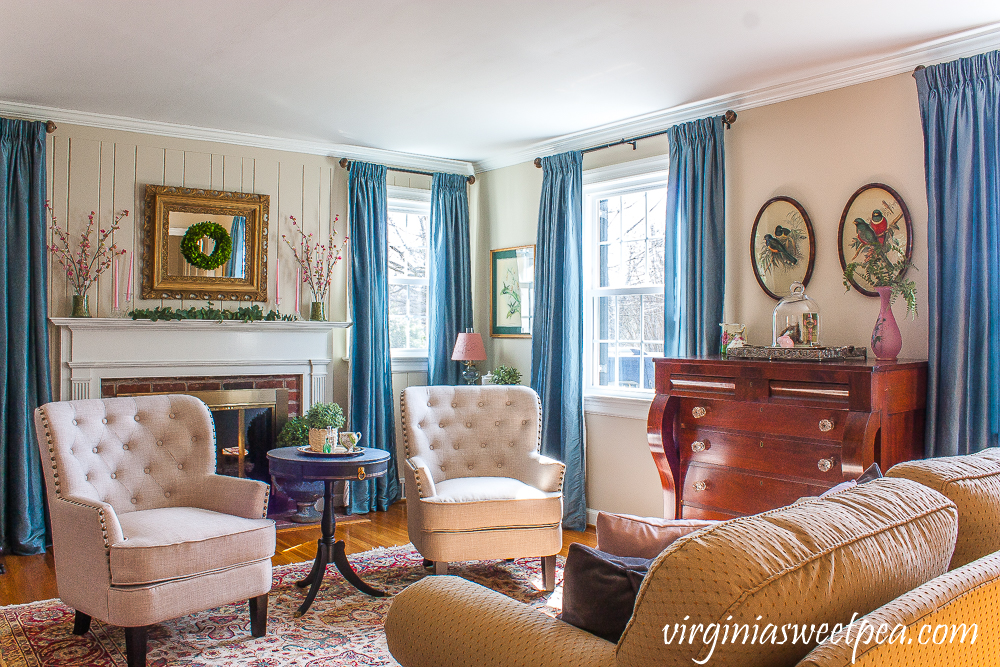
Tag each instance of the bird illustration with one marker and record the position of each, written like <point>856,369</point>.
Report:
<point>782,256</point>
<point>782,231</point>
<point>879,225</point>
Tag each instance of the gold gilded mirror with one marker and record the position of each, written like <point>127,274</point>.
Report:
<point>204,244</point>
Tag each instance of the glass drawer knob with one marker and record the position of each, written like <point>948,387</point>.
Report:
<point>700,485</point>
<point>824,465</point>
<point>698,446</point>
<point>698,412</point>
<point>825,425</point>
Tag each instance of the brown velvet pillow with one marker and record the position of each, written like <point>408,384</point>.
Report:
<point>599,590</point>
<point>641,537</point>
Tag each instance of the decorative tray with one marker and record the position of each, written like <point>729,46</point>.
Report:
<point>845,353</point>
<point>358,451</point>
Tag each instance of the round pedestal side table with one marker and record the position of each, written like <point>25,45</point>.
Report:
<point>289,462</point>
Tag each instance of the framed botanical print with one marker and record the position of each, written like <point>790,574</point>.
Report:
<point>875,220</point>
<point>512,291</point>
<point>782,246</point>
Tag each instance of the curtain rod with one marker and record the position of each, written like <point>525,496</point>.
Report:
<point>346,164</point>
<point>728,118</point>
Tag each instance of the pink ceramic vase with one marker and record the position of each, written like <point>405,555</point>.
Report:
<point>886,339</point>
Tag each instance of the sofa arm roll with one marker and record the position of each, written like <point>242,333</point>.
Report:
<point>450,622</point>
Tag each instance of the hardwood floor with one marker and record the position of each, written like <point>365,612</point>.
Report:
<point>31,578</point>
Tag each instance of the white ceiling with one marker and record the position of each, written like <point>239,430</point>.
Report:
<point>466,80</point>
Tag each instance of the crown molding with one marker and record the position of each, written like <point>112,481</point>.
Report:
<point>178,131</point>
<point>958,45</point>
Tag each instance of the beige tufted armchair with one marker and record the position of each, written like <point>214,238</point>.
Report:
<point>143,529</point>
<point>476,486</point>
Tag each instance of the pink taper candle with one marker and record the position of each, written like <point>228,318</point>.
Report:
<point>277,281</point>
<point>298,287</point>
<point>128,279</point>
<point>117,281</point>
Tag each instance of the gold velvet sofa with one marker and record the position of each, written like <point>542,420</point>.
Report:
<point>879,552</point>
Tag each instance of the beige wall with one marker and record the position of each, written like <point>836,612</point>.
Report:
<point>818,150</point>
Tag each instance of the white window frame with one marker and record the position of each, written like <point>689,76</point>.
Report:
<point>624,178</point>
<point>409,200</point>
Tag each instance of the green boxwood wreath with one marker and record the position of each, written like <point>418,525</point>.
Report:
<point>192,252</point>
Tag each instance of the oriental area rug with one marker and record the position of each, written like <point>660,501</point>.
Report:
<point>342,628</point>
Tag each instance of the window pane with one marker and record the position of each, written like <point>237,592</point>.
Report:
<point>629,317</point>
<point>635,263</point>
<point>629,358</point>
<point>609,219</point>
<point>604,320</point>
<point>656,201</point>
<point>418,316</point>
<point>398,320</point>
<point>655,260</point>
<point>407,239</point>
<point>610,265</point>
<point>605,371</point>
<point>634,216</point>
<point>652,318</point>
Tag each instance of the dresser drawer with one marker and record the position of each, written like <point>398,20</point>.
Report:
<point>741,492</point>
<point>787,420</point>
<point>691,512</point>
<point>763,453</point>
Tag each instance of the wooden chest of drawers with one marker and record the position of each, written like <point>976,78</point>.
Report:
<point>735,437</point>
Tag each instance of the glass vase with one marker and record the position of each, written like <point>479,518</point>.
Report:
<point>317,311</point>
<point>81,306</point>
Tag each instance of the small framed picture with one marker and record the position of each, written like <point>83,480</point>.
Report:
<point>512,291</point>
<point>875,217</point>
<point>782,246</point>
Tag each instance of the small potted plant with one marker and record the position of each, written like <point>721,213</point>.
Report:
<point>506,375</point>
<point>324,420</point>
<point>887,276</point>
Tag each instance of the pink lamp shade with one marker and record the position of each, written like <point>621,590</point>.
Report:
<point>469,347</point>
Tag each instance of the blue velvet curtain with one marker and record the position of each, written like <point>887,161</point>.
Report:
<point>23,335</point>
<point>236,267</point>
<point>959,108</point>
<point>450,290</point>
<point>557,333</point>
<point>696,238</point>
<point>371,406</point>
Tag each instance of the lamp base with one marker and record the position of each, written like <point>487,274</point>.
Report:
<point>470,374</point>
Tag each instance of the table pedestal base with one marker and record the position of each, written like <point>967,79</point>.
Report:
<point>329,550</point>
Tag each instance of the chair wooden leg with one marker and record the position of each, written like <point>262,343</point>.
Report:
<point>81,623</point>
<point>258,615</point>
<point>135,646</point>
<point>549,572</point>
<point>440,567</point>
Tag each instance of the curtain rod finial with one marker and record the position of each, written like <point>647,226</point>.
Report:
<point>917,69</point>
<point>50,127</point>
<point>729,118</point>
<point>538,162</point>
<point>471,179</point>
<point>343,162</point>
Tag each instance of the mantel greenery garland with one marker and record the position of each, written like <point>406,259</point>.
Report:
<point>191,246</point>
<point>242,314</point>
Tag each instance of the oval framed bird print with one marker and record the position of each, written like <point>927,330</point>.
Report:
<point>875,220</point>
<point>782,246</point>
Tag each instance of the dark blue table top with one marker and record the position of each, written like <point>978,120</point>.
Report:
<point>290,461</point>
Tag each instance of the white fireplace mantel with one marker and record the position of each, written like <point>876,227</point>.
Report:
<point>91,349</point>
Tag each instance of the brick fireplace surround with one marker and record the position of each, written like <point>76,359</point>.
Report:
<point>112,387</point>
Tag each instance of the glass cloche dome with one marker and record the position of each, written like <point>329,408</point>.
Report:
<point>796,320</point>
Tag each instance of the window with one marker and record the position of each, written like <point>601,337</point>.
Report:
<point>625,223</point>
<point>408,240</point>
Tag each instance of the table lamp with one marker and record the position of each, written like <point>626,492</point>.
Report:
<point>469,348</point>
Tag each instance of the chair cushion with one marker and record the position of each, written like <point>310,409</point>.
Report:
<point>174,542</point>
<point>814,562</point>
<point>475,503</point>
<point>599,590</point>
<point>973,483</point>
